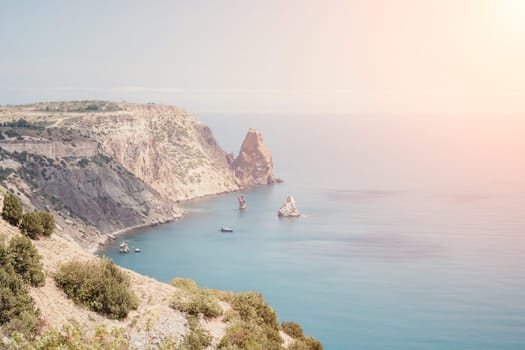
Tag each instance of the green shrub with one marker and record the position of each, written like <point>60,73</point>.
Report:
<point>301,342</point>
<point>252,307</point>
<point>11,133</point>
<point>47,220</point>
<point>99,285</point>
<point>12,210</point>
<point>71,337</point>
<point>27,323</point>
<point>24,259</point>
<point>36,224</point>
<point>250,336</point>
<point>199,303</point>
<point>293,329</point>
<point>194,300</point>
<point>4,258</point>
<point>306,343</point>
<point>17,308</point>
<point>197,338</point>
<point>31,225</point>
<point>256,327</point>
<point>92,107</point>
<point>185,283</point>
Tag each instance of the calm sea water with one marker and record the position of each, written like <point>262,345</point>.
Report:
<point>404,246</point>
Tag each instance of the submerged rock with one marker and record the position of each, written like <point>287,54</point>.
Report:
<point>289,209</point>
<point>242,202</point>
<point>254,165</point>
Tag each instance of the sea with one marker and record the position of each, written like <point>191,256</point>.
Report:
<point>413,234</point>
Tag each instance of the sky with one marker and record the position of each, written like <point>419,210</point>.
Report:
<point>444,57</point>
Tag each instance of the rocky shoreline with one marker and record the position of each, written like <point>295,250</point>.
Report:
<point>99,244</point>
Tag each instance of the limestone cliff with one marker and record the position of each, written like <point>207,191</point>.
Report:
<point>165,147</point>
<point>254,165</point>
<point>104,166</point>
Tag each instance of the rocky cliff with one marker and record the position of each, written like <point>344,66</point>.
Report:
<point>104,166</point>
<point>254,165</point>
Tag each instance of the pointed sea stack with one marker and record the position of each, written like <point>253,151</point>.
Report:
<point>289,209</point>
<point>242,202</point>
<point>254,165</point>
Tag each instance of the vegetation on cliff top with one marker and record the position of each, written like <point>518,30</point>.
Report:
<point>194,300</point>
<point>32,224</point>
<point>12,211</point>
<point>301,342</point>
<point>99,285</point>
<point>70,337</point>
<point>19,263</point>
<point>24,259</point>
<point>252,322</point>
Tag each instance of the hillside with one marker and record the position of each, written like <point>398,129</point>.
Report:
<point>102,166</point>
<point>154,323</point>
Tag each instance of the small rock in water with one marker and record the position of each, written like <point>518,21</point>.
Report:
<point>289,209</point>
<point>242,202</point>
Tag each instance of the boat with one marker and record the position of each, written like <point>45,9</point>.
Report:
<point>137,250</point>
<point>226,229</point>
<point>124,249</point>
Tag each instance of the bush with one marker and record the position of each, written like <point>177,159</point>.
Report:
<point>4,258</point>
<point>47,220</point>
<point>12,211</point>
<point>71,337</point>
<point>306,343</point>
<point>256,326</point>
<point>252,307</point>
<point>197,338</point>
<point>24,259</point>
<point>251,337</point>
<point>194,300</point>
<point>186,284</point>
<point>31,225</point>
<point>293,329</point>
<point>301,342</point>
<point>99,285</point>
<point>17,308</point>
<point>92,107</point>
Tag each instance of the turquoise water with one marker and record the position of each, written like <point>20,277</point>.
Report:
<point>380,262</point>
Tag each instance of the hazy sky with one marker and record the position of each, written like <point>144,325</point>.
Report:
<point>368,56</point>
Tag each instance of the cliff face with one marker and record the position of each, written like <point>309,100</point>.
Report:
<point>254,165</point>
<point>165,147</point>
<point>103,166</point>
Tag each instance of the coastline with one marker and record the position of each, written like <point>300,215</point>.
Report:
<point>97,245</point>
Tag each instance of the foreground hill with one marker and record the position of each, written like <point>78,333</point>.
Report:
<point>103,166</point>
<point>163,318</point>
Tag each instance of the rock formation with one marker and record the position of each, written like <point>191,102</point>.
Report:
<point>254,165</point>
<point>242,202</point>
<point>288,209</point>
<point>101,166</point>
<point>104,166</point>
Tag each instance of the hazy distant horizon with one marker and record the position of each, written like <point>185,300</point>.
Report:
<point>404,57</point>
<point>425,91</point>
<point>518,116</point>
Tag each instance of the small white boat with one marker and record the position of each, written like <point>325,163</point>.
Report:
<point>137,250</point>
<point>226,229</point>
